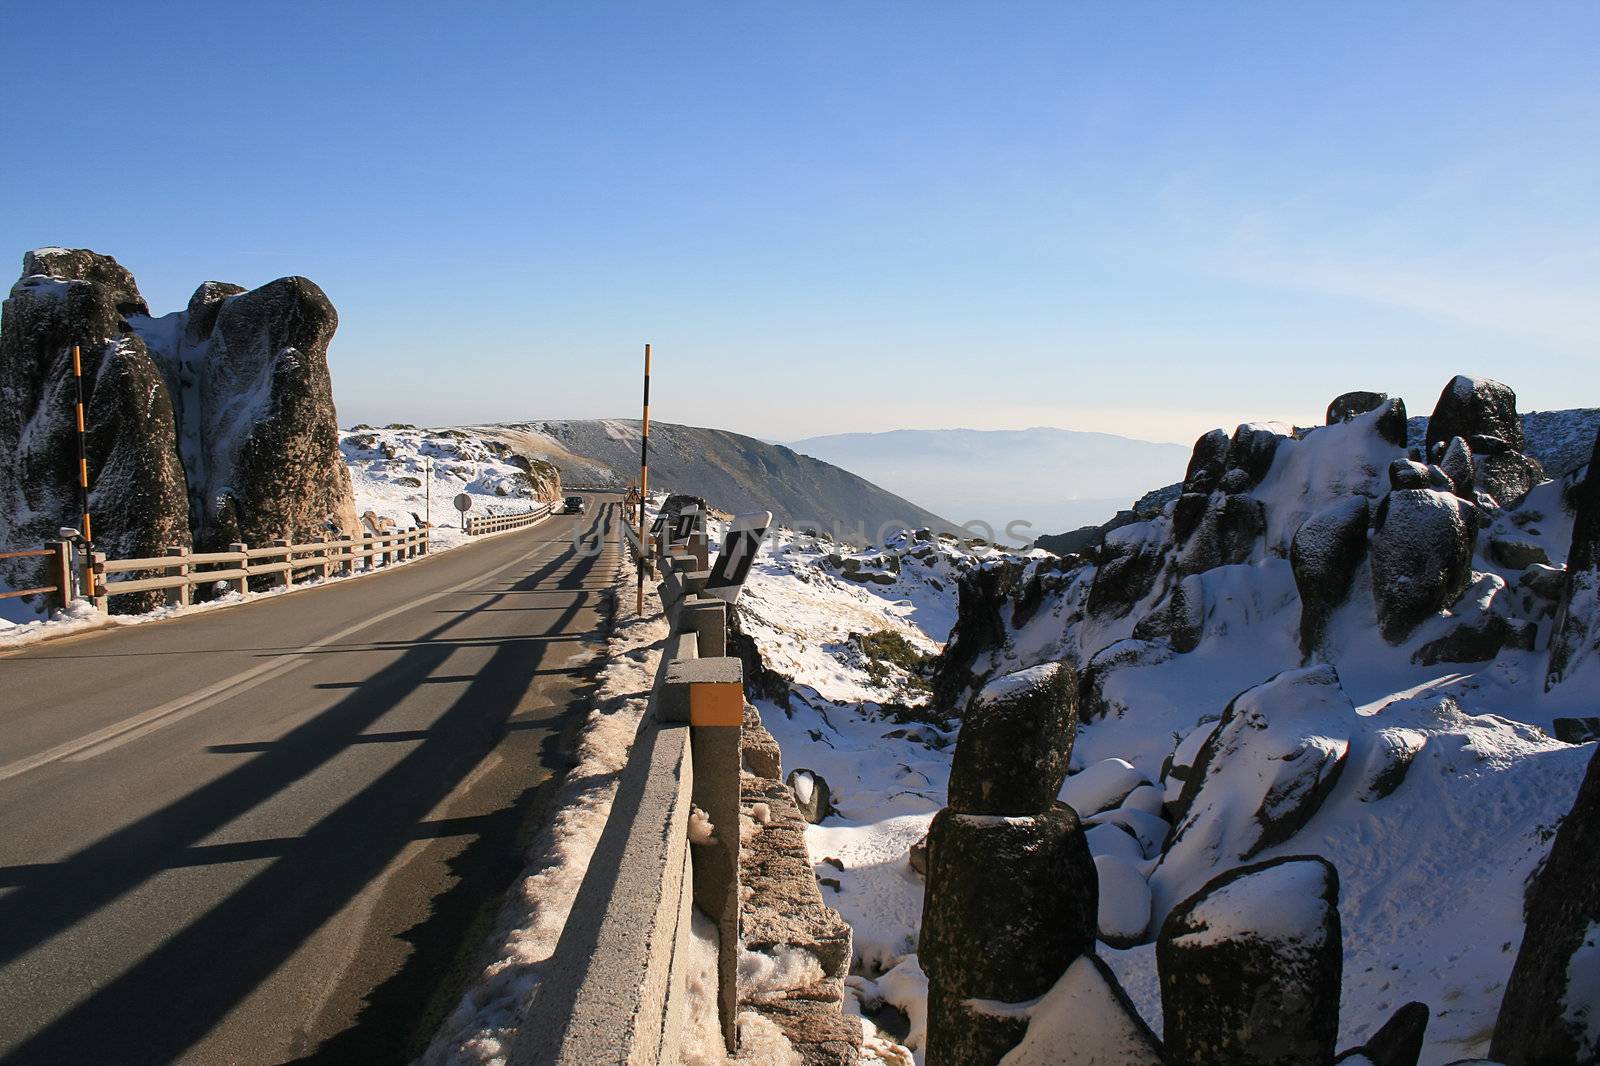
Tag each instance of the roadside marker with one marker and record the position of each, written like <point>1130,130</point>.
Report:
<point>644,479</point>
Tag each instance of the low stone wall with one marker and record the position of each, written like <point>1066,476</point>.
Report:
<point>782,911</point>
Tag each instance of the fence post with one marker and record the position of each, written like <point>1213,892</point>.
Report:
<point>323,552</point>
<point>61,571</point>
<point>179,596</point>
<point>241,584</point>
<point>96,573</point>
<point>426,534</point>
<point>286,578</point>
<point>366,548</point>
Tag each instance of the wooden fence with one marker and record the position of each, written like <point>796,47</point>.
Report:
<point>60,572</point>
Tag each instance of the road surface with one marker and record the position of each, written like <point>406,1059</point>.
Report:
<point>278,832</point>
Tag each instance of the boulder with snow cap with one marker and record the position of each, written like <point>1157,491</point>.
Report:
<point>1250,967</point>
<point>1130,561</point>
<point>1207,463</point>
<point>1179,619</point>
<point>1398,1042</point>
<point>1016,742</point>
<point>1551,1010</point>
<point>1100,786</point>
<point>1252,449</point>
<point>811,794</point>
<point>1124,912</point>
<point>1477,641</point>
<point>1149,830</point>
<point>1410,474</point>
<point>1010,903</point>
<point>1508,476</point>
<point>1347,406</point>
<point>1324,555</point>
<point>1421,557</point>
<point>1266,770</point>
<point>1225,535</point>
<point>1094,701</point>
<point>1086,1018</point>
<point>1475,406</point>
<point>1456,462</point>
<point>1576,637</point>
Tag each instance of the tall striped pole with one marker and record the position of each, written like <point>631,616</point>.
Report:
<point>83,476</point>
<point>644,478</point>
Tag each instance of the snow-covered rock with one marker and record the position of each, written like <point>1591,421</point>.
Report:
<point>1250,967</point>
<point>1101,786</point>
<point>1124,913</point>
<point>1421,557</point>
<point>1016,743</point>
<point>1266,770</point>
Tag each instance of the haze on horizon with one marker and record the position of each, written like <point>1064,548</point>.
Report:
<point>834,218</point>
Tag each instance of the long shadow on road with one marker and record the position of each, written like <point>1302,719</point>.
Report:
<point>165,1003</point>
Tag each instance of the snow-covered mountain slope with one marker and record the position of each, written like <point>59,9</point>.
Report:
<point>1053,479</point>
<point>1253,653</point>
<point>387,470</point>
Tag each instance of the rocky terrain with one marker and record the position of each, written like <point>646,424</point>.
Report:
<point>205,426</point>
<point>1320,718</point>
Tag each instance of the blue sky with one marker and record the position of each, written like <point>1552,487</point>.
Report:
<point>1139,218</point>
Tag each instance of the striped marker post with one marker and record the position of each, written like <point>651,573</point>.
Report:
<point>83,475</point>
<point>644,480</point>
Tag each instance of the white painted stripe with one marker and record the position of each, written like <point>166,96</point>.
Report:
<point>135,726</point>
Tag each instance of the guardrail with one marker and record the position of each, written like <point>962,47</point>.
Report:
<point>614,991</point>
<point>477,525</point>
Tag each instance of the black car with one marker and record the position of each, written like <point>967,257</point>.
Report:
<point>574,505</point>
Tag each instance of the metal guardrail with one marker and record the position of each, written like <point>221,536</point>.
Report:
<point>614,991</point>
<point>477,525</point>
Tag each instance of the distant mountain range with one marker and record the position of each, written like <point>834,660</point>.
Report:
<point>731,471</point>
<point>1054,479</point>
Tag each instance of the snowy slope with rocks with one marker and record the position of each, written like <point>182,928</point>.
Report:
<point>1326,645</point>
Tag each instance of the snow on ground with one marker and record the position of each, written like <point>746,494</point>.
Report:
<point>484,1023</point>
<point>387,473</point>
<point>1432,875</point>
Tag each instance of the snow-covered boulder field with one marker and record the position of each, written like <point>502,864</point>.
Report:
<point>1336,644</point>
<point>388,467</point>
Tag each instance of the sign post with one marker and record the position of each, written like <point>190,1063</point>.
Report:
<point>644,479</point>
<point>463,504</point>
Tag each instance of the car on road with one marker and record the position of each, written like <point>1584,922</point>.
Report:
<point>574,505</point>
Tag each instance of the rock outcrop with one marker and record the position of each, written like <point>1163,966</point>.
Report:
<point>210,425</point>
<point>1011,897</point>
<point>1325,554</point>
<point>1422,544</point>
<point>1250,967</point>
<point>1551,1010</point>
<point>137,487</point>
<point>1576,638</point>
<point>1470,407</point>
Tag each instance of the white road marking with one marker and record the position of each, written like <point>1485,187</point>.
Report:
<point>138,725</point>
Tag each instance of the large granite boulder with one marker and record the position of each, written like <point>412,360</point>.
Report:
<point>137,496</point>
<point>1010,903</point>
<point>1086,1018</point>
<point>1421,556</point>
<point>1259,777</point>
<point>1250,967</point>
<point>1347,406</point>
<point>1015,743</point>
<point>258,431</point>
<point>1207,463</point>
<point>1551,1010</point>
<point>1577,633</point>
<point>1471,407</point>
<point>1324,555</point>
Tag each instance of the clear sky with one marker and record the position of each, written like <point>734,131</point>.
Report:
<point>1144,218</point>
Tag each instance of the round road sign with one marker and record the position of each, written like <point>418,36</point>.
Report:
<point>463,502</point>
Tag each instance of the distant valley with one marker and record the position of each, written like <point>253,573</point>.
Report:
<point>1055,479</point>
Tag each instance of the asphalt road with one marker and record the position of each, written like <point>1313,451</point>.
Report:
<point>278,832</point>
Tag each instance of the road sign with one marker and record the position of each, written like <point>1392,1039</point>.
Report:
<point>463,502</point>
